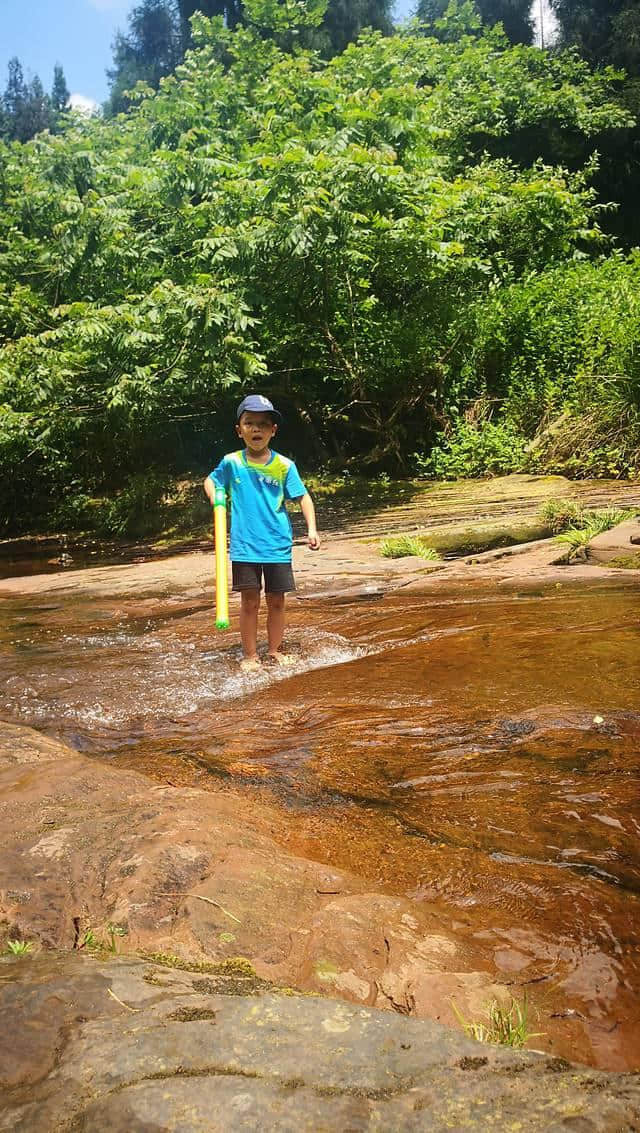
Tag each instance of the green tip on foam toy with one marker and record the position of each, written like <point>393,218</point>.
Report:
<point>220,535</point>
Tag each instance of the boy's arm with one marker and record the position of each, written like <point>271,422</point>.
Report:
<point>309,513</point>
<point>209,490</point>
<point>216,479</point>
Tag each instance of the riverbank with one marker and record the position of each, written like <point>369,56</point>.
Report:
<point>469,516</point>
<point>491,530</point>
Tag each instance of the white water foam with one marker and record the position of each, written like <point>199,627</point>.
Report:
<point>332,649</point>
<point>108,680</point>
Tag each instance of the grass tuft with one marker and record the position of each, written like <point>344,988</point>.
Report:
<point>400,546</point>
<point>575,526</point>
<point>506,1025</point>
<point>19,947</point>
<point>593,523</point>
<point>560,515</point>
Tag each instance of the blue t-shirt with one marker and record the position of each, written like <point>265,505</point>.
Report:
<point>260,527</point>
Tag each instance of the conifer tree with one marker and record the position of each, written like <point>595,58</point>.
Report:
<point>26,109</point>
<point>345,19</point>
<point>342,23</point>
<point>150,49</point>
<point>14,97</point>
<point>37,113</point>
<point>59,90</point>
<point>514,15</point>
<point>605,31</point>
<point>231,10</point>
<point>608,32</point>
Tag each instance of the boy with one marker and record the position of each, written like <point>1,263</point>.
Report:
<point>259,480</point>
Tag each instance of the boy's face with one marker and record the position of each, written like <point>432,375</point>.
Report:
<point>256,430</point>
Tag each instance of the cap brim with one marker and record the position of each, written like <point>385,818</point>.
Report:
<point>272,413</point>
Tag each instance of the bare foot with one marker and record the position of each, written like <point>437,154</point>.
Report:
<point>280,658</point>
<point>250,665</point>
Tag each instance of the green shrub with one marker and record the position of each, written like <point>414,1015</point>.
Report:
<point>476,449</point>
<point>137,510</point>
<point>560,515</point>
<point>559,350</point>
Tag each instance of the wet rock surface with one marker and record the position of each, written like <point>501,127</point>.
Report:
<point>125,1045</point>
<point>93,850</point>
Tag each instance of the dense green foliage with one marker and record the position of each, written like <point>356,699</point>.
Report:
<point>552,355</point>
<point>329,232</point>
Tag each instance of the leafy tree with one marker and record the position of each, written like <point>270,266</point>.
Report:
<point>150,49</point>
<point>334,225</point>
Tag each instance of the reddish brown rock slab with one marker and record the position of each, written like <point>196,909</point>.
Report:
<point>24,745</point>
<point>404,967</point>
<point>621,542</point>
<point>94,854</point>
<point>124,1046</point>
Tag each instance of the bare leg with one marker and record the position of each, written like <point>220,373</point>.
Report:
<point>249,606</point>
<point>275,627</point>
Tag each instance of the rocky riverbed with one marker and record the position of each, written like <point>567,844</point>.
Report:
<point>380,824</point>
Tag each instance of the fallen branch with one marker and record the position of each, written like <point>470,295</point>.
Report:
<point>125,1005</point>
<point>199,897</point>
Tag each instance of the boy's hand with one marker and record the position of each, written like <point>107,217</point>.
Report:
<point>309,513</point>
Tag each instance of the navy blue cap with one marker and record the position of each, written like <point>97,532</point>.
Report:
<point>256,403</point>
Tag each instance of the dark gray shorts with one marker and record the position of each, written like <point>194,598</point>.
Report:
<point>278,577</point>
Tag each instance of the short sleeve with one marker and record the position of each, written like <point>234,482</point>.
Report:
<point>220,475</point>
<point>293,486</point>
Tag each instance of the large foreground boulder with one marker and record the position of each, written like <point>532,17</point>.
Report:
<point>131,1047</point>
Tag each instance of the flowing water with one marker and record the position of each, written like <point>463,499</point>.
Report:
<point>472,747</point>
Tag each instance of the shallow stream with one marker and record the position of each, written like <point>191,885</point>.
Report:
<point>473,747</point>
